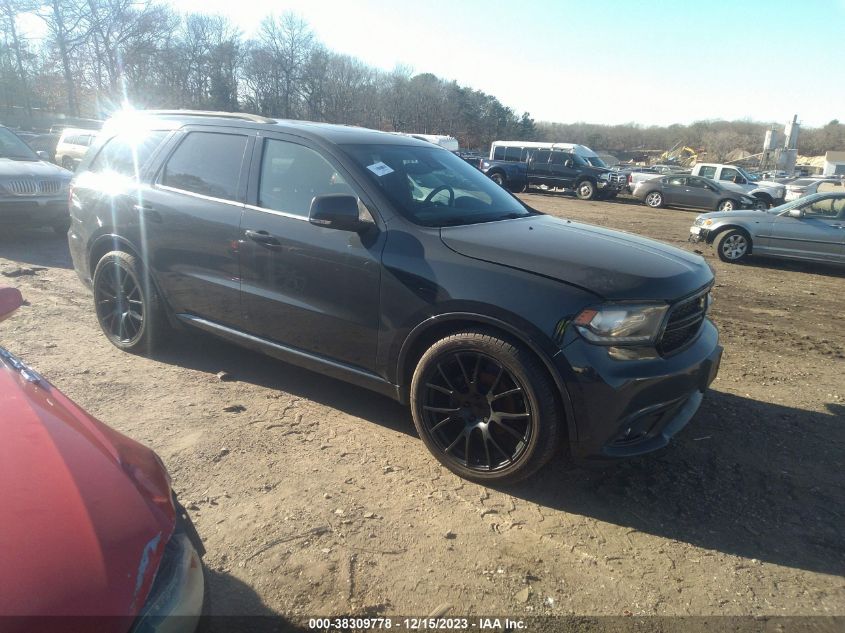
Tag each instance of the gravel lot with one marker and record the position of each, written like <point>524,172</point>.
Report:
<point>316,497</point>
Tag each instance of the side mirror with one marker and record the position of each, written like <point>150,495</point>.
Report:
<point>796,213</point>
<point>10,300</point>
<point>335,211</point>
<point>43,155</point>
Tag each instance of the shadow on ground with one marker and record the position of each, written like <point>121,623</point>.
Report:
<point>234,607</point>
<point>747,478</point>
<point>205,353</point>
<point>35,247</point>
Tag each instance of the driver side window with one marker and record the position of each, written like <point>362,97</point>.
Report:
<point>291,175</point>
<point>824,208</point>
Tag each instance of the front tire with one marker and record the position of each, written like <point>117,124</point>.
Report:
<point>733,246</point>
<point>727,205</point>
<point>485,408</point>
<point>585,190</point>
<point>127,304</point>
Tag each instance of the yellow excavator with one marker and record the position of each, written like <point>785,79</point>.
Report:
<point>680,154</point>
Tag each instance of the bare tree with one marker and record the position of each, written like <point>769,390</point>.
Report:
<point>9,11</point>
<point>66,22</point>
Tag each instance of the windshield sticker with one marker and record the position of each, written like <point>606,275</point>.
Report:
<point>380,169</point>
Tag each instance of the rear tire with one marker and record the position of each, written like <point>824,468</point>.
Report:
<point>585,190</point>
<point>654,199</point>
<point>733,246</point>
<point>127,303</point>
<point>485,407</point>
<point>498,178</point>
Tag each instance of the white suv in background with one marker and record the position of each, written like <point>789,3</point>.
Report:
<point>72,145</point>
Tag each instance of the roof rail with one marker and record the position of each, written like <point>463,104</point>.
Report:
<point>243,116</point>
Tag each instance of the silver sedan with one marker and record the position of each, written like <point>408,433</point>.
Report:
<point>810,228</point>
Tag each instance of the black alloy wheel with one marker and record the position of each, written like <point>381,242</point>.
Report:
<point>128,309</point>
<point>484,408</point>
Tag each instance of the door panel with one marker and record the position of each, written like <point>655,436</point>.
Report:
<point>304,286</point>
<point>538,168</point>
<point>811,237</point>
<point>559,174</point>
<point>191,218</point>
<point>673,190</point>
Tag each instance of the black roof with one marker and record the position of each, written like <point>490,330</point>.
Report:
<point>334,133</point>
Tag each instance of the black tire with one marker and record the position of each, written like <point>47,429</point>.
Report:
<point>126,301</point>
<point>728,205</point>
<point>499,178</point>
<point>733,246</point>
<point>459,377</point>
<point>761,205</point>
<point>654,199</point>
<point>585,190</point>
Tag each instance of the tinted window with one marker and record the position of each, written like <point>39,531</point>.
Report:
<point>708,171</point>
<point>513,153</point>
<point>434,187</point>
<point>127,153</point>
<point>208,163</point>
<point>291,175</point>
<point>499,153</point>
<point>676,181</point>
<point>698,183</point>
<point>542,156</point>
<point>559,158</point>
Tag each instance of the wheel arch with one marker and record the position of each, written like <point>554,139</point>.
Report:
<point>435,328</point>
<point>713,235</point>
<point>762,195</point>
<point>113,242</point>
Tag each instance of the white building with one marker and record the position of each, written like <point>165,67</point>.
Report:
<point>834,164</point>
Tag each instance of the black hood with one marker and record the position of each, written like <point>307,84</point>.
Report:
<point>611,264</point>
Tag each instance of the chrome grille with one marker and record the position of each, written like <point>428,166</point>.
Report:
<point>685,319</point>
<point>32,187</point>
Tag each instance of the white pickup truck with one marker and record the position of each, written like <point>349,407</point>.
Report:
<point>736,178</point>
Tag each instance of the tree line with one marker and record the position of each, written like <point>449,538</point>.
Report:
<point>99,54</point>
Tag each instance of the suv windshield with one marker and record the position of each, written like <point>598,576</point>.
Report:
<point>433,187</point>
<point>595,161</point>
<point>11,146</point>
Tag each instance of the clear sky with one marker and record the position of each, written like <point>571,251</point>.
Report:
<point>601,61</point>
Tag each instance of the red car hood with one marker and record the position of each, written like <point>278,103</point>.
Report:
<point>86,512</point>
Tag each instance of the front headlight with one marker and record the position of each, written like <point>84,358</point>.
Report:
<point>604,176</point>
<point>621,324</point>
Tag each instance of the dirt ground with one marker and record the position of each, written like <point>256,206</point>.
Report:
<point>317,498</point>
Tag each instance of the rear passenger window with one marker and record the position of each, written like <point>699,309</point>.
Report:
<point>127,153</point>
<point>208,163</point>
<point>707,172</point>
<point>513,154</point>
<point>291,175</point>
<point>499,153</point>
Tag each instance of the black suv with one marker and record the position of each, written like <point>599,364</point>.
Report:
<point>393,264</point>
